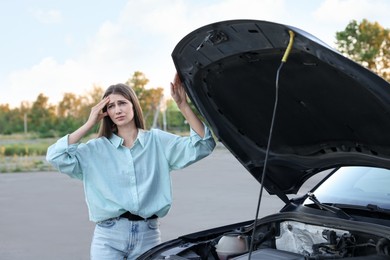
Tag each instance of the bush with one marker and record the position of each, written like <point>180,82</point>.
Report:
<point>24,149</point>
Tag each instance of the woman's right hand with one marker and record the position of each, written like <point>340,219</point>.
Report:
<point>97,113</point>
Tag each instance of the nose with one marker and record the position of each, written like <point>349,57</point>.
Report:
<point>117,110</point>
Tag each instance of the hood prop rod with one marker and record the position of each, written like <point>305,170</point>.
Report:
<point>284,60</point>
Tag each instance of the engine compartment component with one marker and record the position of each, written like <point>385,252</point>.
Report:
<point>271,254</point>
<point>231,244</point>
<point>305,239</point>
<point>286,239</point>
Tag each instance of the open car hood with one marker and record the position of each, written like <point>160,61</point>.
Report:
<point>331,111</point>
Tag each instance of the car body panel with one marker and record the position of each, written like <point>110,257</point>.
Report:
<point>295,235</point>
<point>331,114</point>
<point>331,111</point>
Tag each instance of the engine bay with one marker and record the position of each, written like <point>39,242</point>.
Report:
<point>284,240</point>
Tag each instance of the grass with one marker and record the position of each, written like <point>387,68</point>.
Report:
<point>24,153</point>
<point>11,164</point>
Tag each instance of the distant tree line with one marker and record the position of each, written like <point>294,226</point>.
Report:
<point>72,111</point>
<point>367,43</point>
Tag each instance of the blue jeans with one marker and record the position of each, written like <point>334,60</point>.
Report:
<point>119,238</point>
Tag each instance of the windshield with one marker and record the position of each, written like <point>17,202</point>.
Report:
<point>356,186</point>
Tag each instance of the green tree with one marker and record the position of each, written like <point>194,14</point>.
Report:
<point>69,106</point>
<point>12,120</point>
<point>73,110</point>
<point>368,44</point>
<point>175,119</point>
<point>94,95</point>
<point>149,99</point>
<point>68,113</point>
<point>42,116</point>
<point>5,115</point>
<point>138,82</point>
<point>16,120</point>
<point>24,110</point>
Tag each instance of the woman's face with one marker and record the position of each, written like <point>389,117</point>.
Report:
<point>120,110</point>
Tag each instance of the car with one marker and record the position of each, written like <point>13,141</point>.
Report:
<point>289,107</point>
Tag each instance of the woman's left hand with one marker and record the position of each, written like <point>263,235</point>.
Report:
<point>179,95</point>
<point>177,91</point>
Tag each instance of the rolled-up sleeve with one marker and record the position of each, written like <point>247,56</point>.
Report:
<point>183,151</point>
<point>207,143</point>
<point>63,157</point>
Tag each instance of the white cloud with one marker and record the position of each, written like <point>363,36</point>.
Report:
<point>48,77</point>
<point>343,11</point>
<point>333,16</point>
<point>47,16</point>
<point>144,35</point>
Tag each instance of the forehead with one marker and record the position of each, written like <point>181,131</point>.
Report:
<point>116,97</point>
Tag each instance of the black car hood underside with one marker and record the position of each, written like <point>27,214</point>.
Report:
<point>331,111</point>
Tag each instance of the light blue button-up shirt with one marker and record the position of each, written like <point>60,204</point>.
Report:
<point>118,179</point>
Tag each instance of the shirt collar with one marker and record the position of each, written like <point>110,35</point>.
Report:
<point>141,137</point>
<point>118,141</point>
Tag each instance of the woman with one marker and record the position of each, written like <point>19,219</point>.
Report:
<point>125,170</point>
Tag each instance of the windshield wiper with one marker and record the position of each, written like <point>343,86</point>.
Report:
<point>368,208</point>
<point>376,208</point>
<point>329,208</point>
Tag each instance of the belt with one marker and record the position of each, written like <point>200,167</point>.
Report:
<point>130,216</point>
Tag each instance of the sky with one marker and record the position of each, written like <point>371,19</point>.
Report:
<point>55,47</point>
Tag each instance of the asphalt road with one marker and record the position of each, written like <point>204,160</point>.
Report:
<point>43,215</point>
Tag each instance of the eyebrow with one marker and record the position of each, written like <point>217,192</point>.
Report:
<point>119,100</point>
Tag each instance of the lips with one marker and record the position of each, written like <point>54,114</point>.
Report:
<point>120,118</point>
